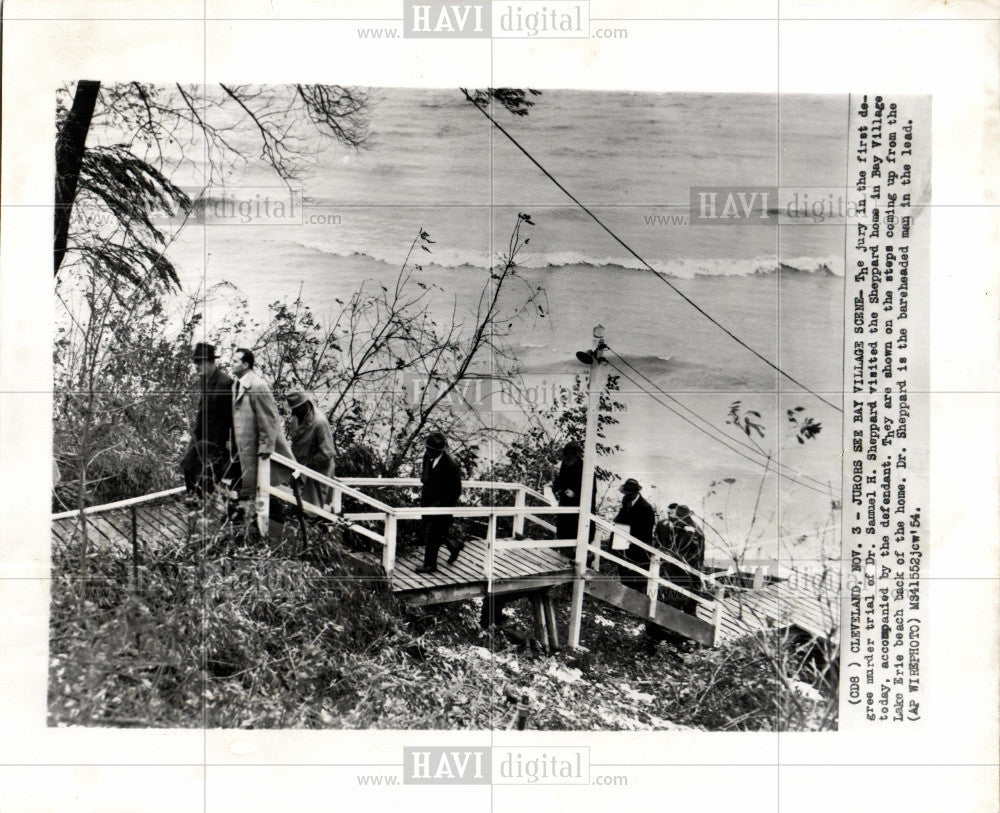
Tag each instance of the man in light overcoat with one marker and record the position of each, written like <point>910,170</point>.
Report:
<point>256,424</point>
<point>312,443</point>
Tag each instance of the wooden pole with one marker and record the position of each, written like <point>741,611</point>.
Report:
<point>389,551</point>
<point>301,512</point>
<point>595,383</point>
<point>491,538</point>
<point>720,594</point>
<point>550,616</point>
<point>519,519</point>
<point>541,632</point>
<point>652,586</point>
<point>263,500</point>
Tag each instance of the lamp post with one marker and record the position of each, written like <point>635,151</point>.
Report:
<point>594,359</point>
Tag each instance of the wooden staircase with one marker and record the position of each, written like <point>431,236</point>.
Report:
<point>608,589</point>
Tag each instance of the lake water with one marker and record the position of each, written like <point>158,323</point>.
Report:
<point>437,164</point>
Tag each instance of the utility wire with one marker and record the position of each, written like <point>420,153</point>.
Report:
<point>635,254</point>
<point>724,441</point>
<point>750,447</point>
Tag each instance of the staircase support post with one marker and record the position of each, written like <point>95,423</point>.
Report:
<point>541,630</point>
<point>262,503</point>
<point>652,587</point>
<point>491,539</point>
<point>389,551</point>
<point>550,617</point>
<point>519,518</point>
<point>720,594</point>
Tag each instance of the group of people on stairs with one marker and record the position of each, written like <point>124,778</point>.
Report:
<point>238,424</point>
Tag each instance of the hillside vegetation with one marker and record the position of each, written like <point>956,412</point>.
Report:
<point>225,632</point>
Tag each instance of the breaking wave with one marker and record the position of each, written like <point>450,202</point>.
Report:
<point>554,262</point>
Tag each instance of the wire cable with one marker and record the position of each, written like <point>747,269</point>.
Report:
<point>750,447</point>
<point>778,468</point>
<point>635,254</point>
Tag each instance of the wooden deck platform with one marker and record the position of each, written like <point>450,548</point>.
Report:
<point>165,521</point>
<point>812,607</point>
<point>162,522</point>
<point>169,522</point>
<point>513,571</point>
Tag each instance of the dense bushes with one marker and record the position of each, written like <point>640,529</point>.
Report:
<point>220,632</point>
<point>225,632</point>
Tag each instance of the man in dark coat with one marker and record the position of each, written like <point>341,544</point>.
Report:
<point>442,486</point>
<point>567,486</point>
<point>640,518</point>
<point>679,536</point>
<point>208,457</point>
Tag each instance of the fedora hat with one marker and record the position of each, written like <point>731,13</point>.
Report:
<point>630,486</point>
<point>571,450</point>
<point>436,442</point>
<point>203,352</point>
<point>297,399</point>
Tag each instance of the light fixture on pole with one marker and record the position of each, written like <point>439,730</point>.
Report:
<point>589,356</point>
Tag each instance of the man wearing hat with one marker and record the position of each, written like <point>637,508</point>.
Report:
<point>567,486</point>
<point>312,444</point>
<point>665,529</point>
<point>640,518</point>
<point>684,540</point>
<point>442,486</point>
<point>208,456</point>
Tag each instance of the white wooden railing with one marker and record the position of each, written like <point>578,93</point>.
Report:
<point>111,506</point>
<point>389,516</point>
<point>654,581</point>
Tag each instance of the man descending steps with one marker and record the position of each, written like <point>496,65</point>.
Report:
<point>442,486</point>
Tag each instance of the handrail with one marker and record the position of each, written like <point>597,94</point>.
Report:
<point>607,525</point>
<point>281,494</point>
<point>332,483</point>
<point>415,482</point>
<point>110,506</point>
<point>660,581</point>
<point>537,495</point>
<point>417,511</point>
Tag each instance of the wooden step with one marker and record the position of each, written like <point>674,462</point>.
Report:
<point>615,593</point>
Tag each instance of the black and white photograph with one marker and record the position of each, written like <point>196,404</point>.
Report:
<point>297,324</point>
<point>499,405</point>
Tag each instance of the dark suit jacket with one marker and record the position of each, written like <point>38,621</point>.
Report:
<point>640,518</point>
<point>214,420</point>
<point>570,477</point>
<point>683,540</point>
<point>442,484</point>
